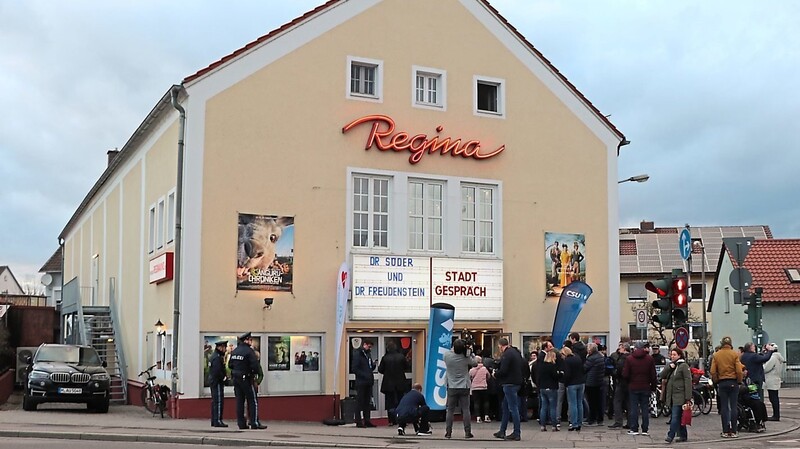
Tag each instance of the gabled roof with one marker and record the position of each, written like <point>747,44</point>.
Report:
<point>13,278</point>
<point>333,3</point>
<point>768,261</point>
<point>644,251</point>
<point>53,264</point>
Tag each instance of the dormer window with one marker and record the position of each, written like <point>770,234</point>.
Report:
<point>794,274</point>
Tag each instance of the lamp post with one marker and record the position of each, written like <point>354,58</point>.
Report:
<point>637,178</point>
<point>704,339</point>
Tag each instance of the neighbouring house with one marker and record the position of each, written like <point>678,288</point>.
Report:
<point>775,267</point>
<point>51,279</point>
<point>427,146</point>
<point>651,252</point>
<point>8,283</point>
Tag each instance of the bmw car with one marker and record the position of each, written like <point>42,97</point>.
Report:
<point>67,373</point>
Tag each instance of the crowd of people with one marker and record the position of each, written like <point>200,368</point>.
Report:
<point>582,384</point>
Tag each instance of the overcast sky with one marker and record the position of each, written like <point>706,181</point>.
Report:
<point>706,91</point>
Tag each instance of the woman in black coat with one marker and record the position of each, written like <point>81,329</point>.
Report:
<point>574,380</point>
<point>394,385</point>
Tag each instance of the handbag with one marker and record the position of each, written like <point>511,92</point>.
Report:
<point>686,415</point>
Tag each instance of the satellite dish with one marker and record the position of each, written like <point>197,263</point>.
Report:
<point>47,279</point>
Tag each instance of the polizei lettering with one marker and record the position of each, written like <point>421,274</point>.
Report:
<point>386,139</point>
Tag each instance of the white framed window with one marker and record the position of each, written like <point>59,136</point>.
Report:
<point>151,243</point>
<point>489,96</point>
<point>477,219</point>
<point>171,216</point>
<point>364,79</point>
<point>425,215</point>
<point>429,88</point>
<point>370,211</point>
<point>636,292</point>
<point>160,223</point>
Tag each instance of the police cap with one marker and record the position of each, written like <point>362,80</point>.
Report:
<point>221,343</point>
<point>245,336</point>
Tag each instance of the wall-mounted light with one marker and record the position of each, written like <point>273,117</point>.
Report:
<point>161,329</point>
<point>268,302</point>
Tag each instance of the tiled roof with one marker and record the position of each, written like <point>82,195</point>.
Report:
<point>53,264</point>
<point>656,252</point>
<point>768,261</point>
<point>332,3</point>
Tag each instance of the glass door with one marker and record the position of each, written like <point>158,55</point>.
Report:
<point>403,342</point>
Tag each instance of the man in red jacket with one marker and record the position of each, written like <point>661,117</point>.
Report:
<point>640,373</point>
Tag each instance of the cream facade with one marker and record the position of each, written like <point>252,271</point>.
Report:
<point>266,134</point>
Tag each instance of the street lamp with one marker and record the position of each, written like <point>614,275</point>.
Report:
<point>161,329</point>
<point>703,341</point>
<point>637,178</point>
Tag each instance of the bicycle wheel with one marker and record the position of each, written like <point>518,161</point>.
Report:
<point>706,403</point>
<point>149,400</point>
<point>698,403</point>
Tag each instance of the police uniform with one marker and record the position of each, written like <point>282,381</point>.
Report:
<point>244,368</point>
<point>216,380</point>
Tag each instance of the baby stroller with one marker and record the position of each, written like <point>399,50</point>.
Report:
<point>751,410</point>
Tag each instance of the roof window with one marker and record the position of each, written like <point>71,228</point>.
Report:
<point>794,274</point>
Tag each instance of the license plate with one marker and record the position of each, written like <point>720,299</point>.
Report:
<point>70,390</point>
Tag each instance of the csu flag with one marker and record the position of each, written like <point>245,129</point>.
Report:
<point>440,340</point>
<point>573,298</point>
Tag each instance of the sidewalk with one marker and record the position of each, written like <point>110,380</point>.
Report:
<point>130,423</point>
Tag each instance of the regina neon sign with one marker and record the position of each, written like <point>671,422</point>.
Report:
<point>382,136</point>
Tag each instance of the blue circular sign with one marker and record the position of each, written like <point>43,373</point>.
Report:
<point>681,337</point>
<point>685,245</point>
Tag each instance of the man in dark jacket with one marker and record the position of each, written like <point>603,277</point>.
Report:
<point>640,373</point>
<point>509,377</point>
<point>244,369</point>
<point>393,367</point>
<point>594,367</point>
<point>754,364</point>
<point>362,365</point>
<point>413,409</point>
<point>578,346</point>
<point>216,380</point>
<point>620,385</point>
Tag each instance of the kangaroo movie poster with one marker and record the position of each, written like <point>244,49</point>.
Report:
<point>265,253</point>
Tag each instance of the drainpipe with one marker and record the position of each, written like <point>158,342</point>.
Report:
<point>60,339</point>
<point>176,316</point>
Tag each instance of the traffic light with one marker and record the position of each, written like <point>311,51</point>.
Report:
<point>753,310</point>
<point>663,305</point>
<point>680,301</point>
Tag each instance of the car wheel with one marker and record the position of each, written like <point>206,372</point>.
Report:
<point>28,404</point>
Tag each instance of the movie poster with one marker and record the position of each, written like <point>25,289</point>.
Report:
<point>278,359</point>
<point>265,253</point>
<point>208,351</point>
<point>564,261</point>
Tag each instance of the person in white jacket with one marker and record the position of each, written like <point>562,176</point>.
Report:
<point>773,369</point>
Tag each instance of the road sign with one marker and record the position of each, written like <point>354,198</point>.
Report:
<point>740,279</point>
<point>681,337</point>
<point>739,247</point>
<point>641,319</point>
<point>685,244</point>
<point>760,338</point>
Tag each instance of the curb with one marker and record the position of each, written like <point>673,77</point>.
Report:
<point>177,439</point>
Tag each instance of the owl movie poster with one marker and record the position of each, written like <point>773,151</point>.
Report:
<point>265,253</point>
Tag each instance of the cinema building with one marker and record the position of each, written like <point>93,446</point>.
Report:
<point>435,160</point>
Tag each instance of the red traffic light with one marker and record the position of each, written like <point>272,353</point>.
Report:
<point>659,287</point>
<point>679,292</point>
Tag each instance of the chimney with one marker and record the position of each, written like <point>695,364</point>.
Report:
<point>112,154</point>
<point>647,226</point>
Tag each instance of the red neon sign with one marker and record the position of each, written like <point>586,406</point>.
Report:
<point>386,139</point>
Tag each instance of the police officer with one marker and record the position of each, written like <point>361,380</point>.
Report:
<point>216,380</point>
<point>244,368</point>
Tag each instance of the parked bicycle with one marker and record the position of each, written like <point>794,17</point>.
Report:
<point>154,396</point>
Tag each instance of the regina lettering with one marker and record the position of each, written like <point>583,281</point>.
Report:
<point>383,137</point>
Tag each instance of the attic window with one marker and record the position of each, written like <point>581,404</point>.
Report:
<point>794,274</point>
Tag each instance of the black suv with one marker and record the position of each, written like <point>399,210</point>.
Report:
<point>67,373</point>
